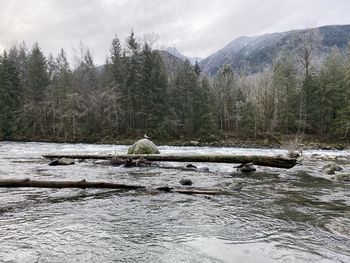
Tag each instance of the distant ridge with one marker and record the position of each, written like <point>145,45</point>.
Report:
<point>171,62</point>
<point>256,53</point>
<point>173,51</point>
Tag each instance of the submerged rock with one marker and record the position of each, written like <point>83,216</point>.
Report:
<point>232,186</point>
<point>236,187</point>
<point>342,177</point>
<point>62,161</point>
<point>143,146</point>
<point>331,168</point>
<point>203,169</point>
<point>192,167</point>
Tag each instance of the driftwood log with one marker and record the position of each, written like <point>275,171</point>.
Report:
<point>16,183</point>
<point>64,184</point>
<point>272,161</point>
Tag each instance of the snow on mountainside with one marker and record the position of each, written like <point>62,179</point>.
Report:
<point>254,54</point>
<point>176,53</point>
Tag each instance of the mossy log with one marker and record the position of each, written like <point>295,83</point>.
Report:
<point>271,161</point>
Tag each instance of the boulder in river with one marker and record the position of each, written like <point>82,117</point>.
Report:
<point>143,146</point>
<point>186,181</point>
<point>246,168</point>
<point>331,168</point>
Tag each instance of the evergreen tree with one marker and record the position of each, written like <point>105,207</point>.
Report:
<point>59,95</point>
<point>114,63</point>
<point>33,115</point>
<point>182,95</point>
<point>131,93</point>
<point>205,123</point>
<point>18,54</point>
<point>36,78</point>
<point>153,87</point>
<point>9,96</point>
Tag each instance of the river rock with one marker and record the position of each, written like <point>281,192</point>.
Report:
<point>331,168</point>
<point>236,187</point>
<point>315,155</point>
<point>194,143</point>
<point>294,154</point>
<point>231,186</point>
<point>246,168</point>
<point>203,169</point>
<point>143,146</point>
<point>62,161</point>
<point>186,181</point>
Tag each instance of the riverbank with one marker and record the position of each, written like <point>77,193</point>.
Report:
<point>266,141</point>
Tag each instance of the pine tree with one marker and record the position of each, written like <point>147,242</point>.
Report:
<point>114,63</point>
<point>37,78</point>
<point>183,96</point>
<point>19,54</point>
<point>60,91</point>
<point>131,92</point>
<point>9,96</point>
<point>153,90</point>
<point>205,123</point>
<point>33,116</point>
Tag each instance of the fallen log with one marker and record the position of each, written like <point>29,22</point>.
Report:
<point>16,183</point>
<point>271,161</point>
<point>64,184</point>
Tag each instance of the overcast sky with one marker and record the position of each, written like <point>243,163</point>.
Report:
<point>196,28</point>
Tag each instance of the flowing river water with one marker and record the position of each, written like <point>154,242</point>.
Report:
<point>295,215</point>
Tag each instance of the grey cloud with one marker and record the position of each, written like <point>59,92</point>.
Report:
<point>197,28</point>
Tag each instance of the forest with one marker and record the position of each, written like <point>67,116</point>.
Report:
<point>46,98</point>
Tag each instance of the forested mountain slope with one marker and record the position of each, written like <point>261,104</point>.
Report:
<point>256,53</point>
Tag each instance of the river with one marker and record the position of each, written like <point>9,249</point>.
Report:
<point>295,215</point>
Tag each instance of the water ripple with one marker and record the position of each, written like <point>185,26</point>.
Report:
<point>279,216</point>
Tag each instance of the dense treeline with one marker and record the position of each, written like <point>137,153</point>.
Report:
<point>134,93</point>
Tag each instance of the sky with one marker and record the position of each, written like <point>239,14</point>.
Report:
<point>195,27</point>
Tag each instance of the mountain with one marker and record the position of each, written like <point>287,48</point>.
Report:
<point>173,51</point>
<point>171,62</point>
<point>254,54</point>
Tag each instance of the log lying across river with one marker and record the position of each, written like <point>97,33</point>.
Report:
<point>272,161</point>
<point>64,184</point>
<point>16,183</point>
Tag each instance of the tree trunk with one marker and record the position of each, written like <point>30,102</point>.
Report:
<point>272,161</point>
<point>64,184</point>
<point>15,183</point>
